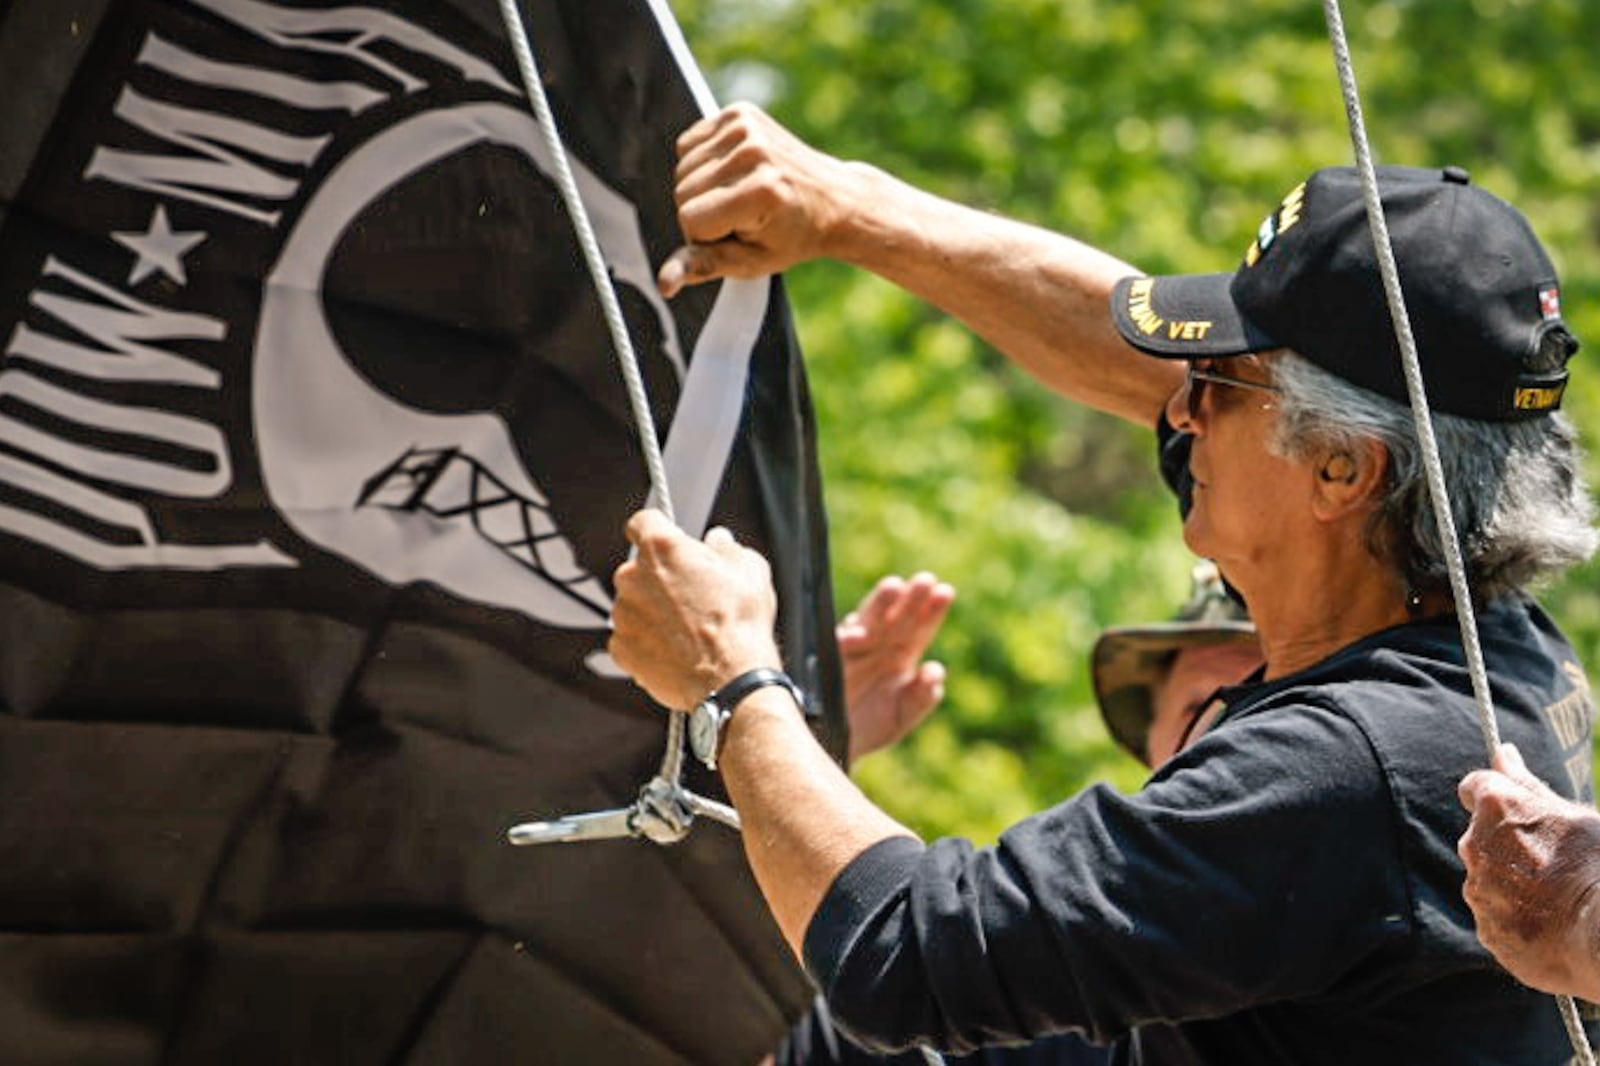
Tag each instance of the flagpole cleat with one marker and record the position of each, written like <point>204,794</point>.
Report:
<point>663,814</point>
<point>601,825</point>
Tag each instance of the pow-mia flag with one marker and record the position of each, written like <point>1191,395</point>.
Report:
<point>314,464</point>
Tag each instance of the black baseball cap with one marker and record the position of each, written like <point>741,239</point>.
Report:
<point>1481,293</point>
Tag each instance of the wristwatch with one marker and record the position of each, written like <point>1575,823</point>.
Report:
<point>710,716</point>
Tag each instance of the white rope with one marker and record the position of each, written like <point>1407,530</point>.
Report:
<point>664,809</point>
<point>610,306</point>
<point>1421,417</point>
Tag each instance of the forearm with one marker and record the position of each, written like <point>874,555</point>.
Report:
<point>1583,952</point>
<point>803,819</point>
<point>1040,297</point>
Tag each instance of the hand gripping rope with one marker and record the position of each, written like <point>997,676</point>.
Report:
<point>664,809</point>
<point>1423,421</point>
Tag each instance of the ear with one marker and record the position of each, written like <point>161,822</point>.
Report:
<point>1349,480</point>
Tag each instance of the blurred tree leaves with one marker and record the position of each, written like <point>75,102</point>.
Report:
<point>1164,132</point>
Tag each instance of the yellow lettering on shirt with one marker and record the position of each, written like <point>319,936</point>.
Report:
<point>1571,718</point>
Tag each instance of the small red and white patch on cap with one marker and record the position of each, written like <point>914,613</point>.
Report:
<point>1550,303</point>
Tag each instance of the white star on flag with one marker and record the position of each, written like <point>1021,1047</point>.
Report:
<point>159,248</point>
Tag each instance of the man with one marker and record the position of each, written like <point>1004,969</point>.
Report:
<point>1533,876</point>
<point>1154,683</point>
<point>1287,888</point>
<point>1151,684</point>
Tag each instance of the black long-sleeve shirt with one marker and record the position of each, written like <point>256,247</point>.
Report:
<point>1285,891</point>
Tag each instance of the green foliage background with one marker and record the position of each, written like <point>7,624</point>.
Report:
<point>1163,131</point>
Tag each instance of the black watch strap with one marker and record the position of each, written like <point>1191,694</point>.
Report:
<point>730,695</point>
<point>708,721</point>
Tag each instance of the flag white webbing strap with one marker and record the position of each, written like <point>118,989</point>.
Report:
<point>662,814</point>
<point>1415,389</point>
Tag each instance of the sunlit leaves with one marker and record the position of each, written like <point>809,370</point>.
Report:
<point>1164,131</point>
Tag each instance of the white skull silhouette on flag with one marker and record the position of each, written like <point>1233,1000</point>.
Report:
<point>414,493</point>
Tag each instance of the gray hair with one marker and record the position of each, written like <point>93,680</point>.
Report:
<point>1520,505</point>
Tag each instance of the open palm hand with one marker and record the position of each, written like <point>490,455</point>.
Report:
<point>889,687</point>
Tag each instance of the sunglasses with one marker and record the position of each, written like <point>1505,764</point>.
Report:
<point>1198,378</point>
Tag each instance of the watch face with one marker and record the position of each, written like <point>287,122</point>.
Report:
<point>703,733</point>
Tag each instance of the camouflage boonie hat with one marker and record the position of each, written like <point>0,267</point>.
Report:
<point>1129,661</point>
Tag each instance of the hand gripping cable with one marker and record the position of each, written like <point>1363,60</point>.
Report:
<point>1423,421</point>
<point>664,810</point>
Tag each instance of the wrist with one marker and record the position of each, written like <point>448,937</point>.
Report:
<point>761,713</point>
<point>859,233</point>
<point>717,676</point>
<point>711,719</point>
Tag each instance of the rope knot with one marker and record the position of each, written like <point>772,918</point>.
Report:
<point>663,813</point>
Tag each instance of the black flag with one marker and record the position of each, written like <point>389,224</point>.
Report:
<point>314,463</point>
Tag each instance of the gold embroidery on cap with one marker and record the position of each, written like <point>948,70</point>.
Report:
<point>1148,322</point>
<point>1189,331</point>
<point>1139,306</point>
<point>1277,224</point>
<point>1538,399</point>
<point>1293,206</point>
